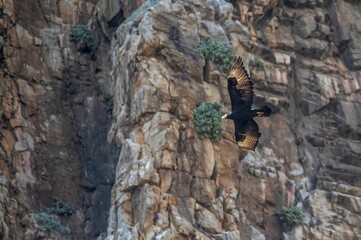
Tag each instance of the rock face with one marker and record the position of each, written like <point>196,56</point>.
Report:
<point>110,132</point>
<point>54,122</point>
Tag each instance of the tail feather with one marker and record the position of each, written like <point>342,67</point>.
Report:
<point>264,112</point>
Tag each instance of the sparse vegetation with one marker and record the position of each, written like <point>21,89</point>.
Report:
<point>257,63</point>
<point>208,121</point>
<point>296,116</point>
<point>51,222</point>
<point>60,208</point>
<point>181,75</point>
<point>175,36</point>
<point>216,51</point>
<point>108,99</point>
<point>291,216</point>
<point>82,36</point>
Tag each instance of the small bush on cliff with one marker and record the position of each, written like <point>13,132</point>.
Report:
<point>208,121</point>
<point>60,208</point>
<point>82,36</point>
<point>216,51</point>
<point>257,63</point>
<point>291,216</point>
<point>108,100</point>
<point>51,222</point>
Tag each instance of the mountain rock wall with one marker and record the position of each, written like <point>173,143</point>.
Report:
<point>54,123</point>
<point>111,132</point>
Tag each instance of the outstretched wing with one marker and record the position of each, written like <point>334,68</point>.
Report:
<point>247,134</point>
<point>240,86</point>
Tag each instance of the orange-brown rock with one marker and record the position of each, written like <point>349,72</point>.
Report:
<point>110,132</point>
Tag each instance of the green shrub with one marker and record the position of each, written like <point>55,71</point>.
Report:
<point>61,209</point>
<point>292,216</point>
<point>208,121</point>
<point>257,63</point>
<point>216,51</point>
<point>108,99</point>
<point>51,222</point>
<point>83,37</point>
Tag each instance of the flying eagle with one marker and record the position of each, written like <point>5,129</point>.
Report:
<point>240,88</point>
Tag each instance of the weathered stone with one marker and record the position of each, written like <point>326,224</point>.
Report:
<point>203,190</point>
<point>229,223</point>
<point>161,217</point>
<point>226,162</point>
<point>281,39</point>
<point>282,58</point>
<point>144,204</point>
<point>252,233</point>
<point>182,225</point>
<point>144,78</point>
<point>296,234</point>
<point>348,32</point>
<point>328,85</point>
<point>162,135</point>
<point>199,156</point>
<point>305,25</point>
<point>222,9</point>
<point>9,100</point>
<point>323,29</point>
<point>212,93</point>
<point>207,220</point>
<point>147,95</point>
<point>181,184</point>
<point>229,204</point>
<point>217,208</point>
<point>135,166</point>
<point>277,75</point>
<point>351,113</point>
<point>23,164</point>
<point>238,33</point>
<point>28,95</point>
<point>229,192</point>
<point>236,215</point>
<point>227,235</point>
<point>25,141</point>
<point>165,177</point>
<point>313,47</point>
<point>8,141</point>
<point>211,29</point>
<point>185,207</point>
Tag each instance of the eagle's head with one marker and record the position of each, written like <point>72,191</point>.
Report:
<point>226,115</point>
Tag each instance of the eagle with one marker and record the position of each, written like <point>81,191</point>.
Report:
<point>240,88</point>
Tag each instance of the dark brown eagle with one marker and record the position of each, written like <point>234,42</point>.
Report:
<point>240,88</point>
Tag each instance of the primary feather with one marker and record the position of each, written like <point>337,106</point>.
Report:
<point>240,86</point>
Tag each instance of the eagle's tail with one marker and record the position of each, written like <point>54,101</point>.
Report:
<point>264,112</point>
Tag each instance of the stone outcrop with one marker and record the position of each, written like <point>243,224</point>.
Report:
<point>53,120</point>
<point>111,132</point>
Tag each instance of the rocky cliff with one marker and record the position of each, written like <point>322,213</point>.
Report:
<point>97,135</point>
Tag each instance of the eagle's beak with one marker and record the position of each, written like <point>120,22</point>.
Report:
<point>224,116</point>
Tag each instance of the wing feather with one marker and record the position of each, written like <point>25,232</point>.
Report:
<point>240,86</point>
<point>247,134</point>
